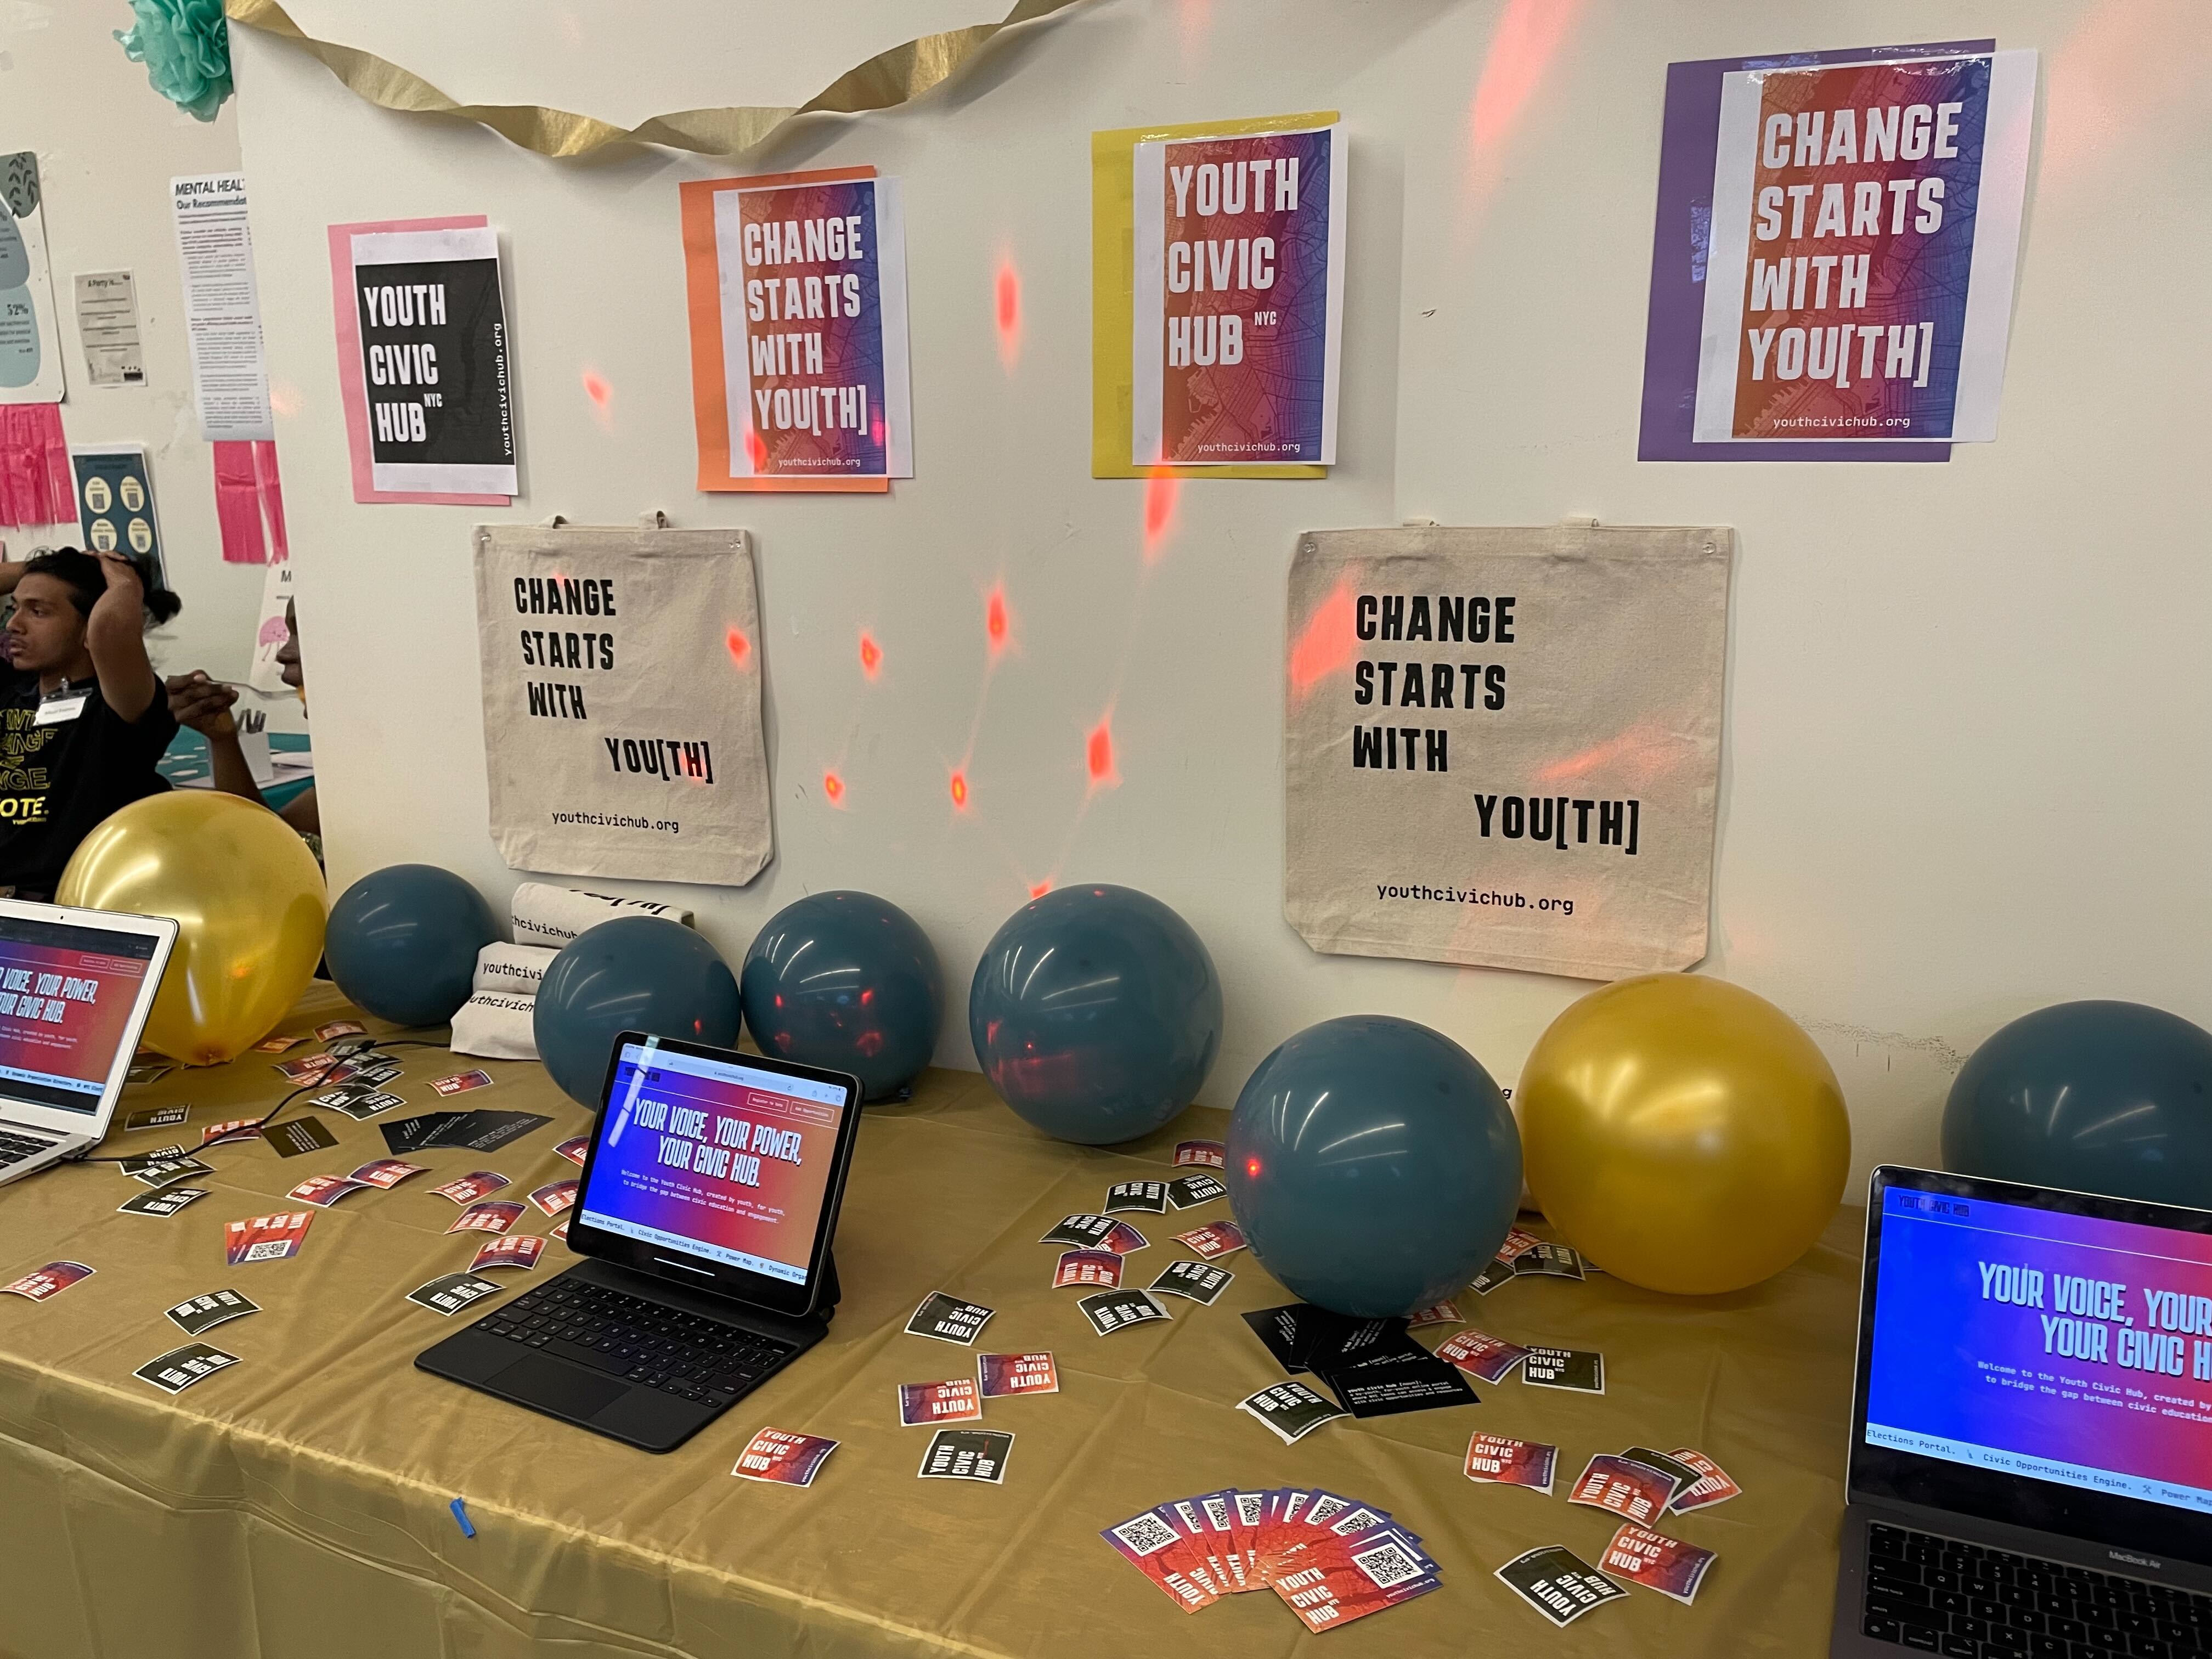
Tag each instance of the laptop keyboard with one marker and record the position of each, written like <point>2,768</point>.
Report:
<point>641,1340</point>
<point>14,1148</point>
<point>1941,1596</point>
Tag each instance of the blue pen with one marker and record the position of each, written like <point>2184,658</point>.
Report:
<point>461,1514</point>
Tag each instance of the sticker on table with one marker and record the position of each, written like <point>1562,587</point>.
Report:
<point>561,1231</point>
<point>386,1172</point>
<point>147,1072</point>
<point>953,1400</point>
<point>554,1196</point>
<point>1437,1313</point>
<point>265,1238</point>
<point>1211,1153</point>
<point>156,1117</point>
<point>1712,1486</point>
<point>1161,1553</point>
<point>468,1188</point>
<point>1549,1262</point>
<point>1657,1562</point>
<point>361,1108</point>
<point>460,1083</point>
<point>333,1030</point>
<point>50,1280</point>
<point>574,1149</point>
<point>1481,1354</point>
<point>375,1074</point>
<point>161,1171</point>
<point>1518,1240</point>
<point>1112,1310</point>
<point>948,1319</point>
<point>1145,1197</point>
<point>1494,1459</point>
<point>1004,1374</point>
<point>1682,1475</point>
<point>1191,1191</point>
<point>1499,1272</point>
<point>1328,1582</point>
<point>1214,1240</point>
<point>1124,1240</point>
<point>1564,1367</point>
<point>308,1068</point>
<point>967,1455</point>
<point>277,1045</point>
<point>782,1459</point>
<point>1193,1279</point>
<point>1623,1486</point>
<point>165,1202</point>
<point>515,1250</point>
<point>1559,1584</point>
<point>448,1293</point>
<point>495,1216</point>
<point>199,1315</point>
<point>1093,1267</point>
<point>323,1191</point>
<point>1083,1231</point>
<point>1291,1410</point>
<point>232,1129</point>
<point>179,1369</point>
<point>345,1099</point>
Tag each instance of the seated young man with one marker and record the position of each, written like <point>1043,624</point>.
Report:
<point>82,720</point>
<point>204,704</point>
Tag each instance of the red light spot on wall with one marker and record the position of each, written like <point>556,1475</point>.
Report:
<point>1098,752</point>
<point>1161,488</point>
<point>994,620</point>
<point>1040,890</point>
<point>756,450</point>
<point>1327,644</point>
<point>601,396</point>
<point>833,788</point>
<point>960,792</point>
<point>871,655</point>
<point>1008,288</point>
<point>740,647</point>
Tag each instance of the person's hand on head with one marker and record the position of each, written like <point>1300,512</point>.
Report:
<point>202,703</point>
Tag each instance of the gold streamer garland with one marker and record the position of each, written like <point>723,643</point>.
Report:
<point>884,82</point>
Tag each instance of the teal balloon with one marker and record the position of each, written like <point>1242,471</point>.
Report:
<point>402,943</point>
<point>2110,1098</point>
<point>1373,1164</point>
<point>1095,1013</point>
<point>847,981</point>
<point>632,974</point>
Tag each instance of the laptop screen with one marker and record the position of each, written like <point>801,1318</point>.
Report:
<point>2067,1347</point>
<point>67,994</point>
<point>715,1157</point>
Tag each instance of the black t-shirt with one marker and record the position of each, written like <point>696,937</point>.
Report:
<point>59,779</point>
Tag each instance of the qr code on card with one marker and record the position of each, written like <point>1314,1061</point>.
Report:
<point>1146,1535</point>
<point>1387,1564</point>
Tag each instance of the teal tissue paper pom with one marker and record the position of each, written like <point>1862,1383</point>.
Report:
<point>186,47</point>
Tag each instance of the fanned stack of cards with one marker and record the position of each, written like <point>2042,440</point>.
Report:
<point>1332,1560</point>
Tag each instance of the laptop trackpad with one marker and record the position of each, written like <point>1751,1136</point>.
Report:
<point>555,1385</point>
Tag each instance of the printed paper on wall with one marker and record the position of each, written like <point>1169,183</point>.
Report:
<point>1501,746</point>
<point>423,361</point>
<point>30,327</point>
<point>1866,222</point>
<point>797,285</point>
<point>622,701</point>
<point>222,308</point>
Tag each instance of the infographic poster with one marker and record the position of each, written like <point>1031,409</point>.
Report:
<point>30,337</point>
<point>1865,228</point>
<point>797,285</point>
<point>1238,305</point>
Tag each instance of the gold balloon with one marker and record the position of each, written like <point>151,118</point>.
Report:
<point>248,896</point>
<point>1683,1133</point>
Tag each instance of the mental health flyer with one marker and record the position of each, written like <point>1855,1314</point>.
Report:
<point>797,287</point>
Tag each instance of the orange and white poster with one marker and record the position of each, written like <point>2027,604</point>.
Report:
<point>797,289</point>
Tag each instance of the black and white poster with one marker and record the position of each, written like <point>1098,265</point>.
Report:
<point>434,361</point>
<point>622,701</point>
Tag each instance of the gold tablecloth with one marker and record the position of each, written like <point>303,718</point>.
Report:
<point>297,1503</point>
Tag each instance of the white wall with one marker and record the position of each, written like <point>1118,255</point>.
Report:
<point>1966,769</point>
<point>107,148</point>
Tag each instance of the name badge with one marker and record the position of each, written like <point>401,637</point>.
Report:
<point>54,710</point>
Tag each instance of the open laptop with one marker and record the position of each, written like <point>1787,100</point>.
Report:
<point>75,986</point>
<point>2031,1457</point>
<point>706,1207</point>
